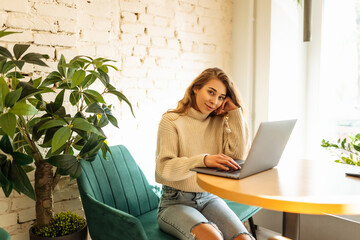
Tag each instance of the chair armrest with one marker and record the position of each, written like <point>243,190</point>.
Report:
<point>105,222</point>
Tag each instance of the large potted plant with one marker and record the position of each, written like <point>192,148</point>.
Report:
<point>50,137</point>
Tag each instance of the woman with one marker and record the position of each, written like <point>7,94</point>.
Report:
<point>207,129</point>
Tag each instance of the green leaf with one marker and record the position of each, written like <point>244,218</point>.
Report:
<point>8,123</point>
<point>4,52</point>
<point>28,89</point>
<point>94,108</point>
<point>61,112</point>
<point>77,78</point>
<point>28,168</point>
<point>104,77</point>
<point>2,159</point>
<point>61,136</point>
<point>102,120</point>
<point>89,79</point>
<point>19,143</point>
<point>36,82</point>
<point>74,97</point>
<point>51,108</point>
<point>21,109</point>
<point>16,75</point>
<point>55,153</point>
<point>21,158</point>
<point>7,67</point>
<point>4,90</point>
<point>6,185</point>
<point>59,99</point>
<point>104,68</point>
<point>35,58</point>
<point>21,181</point>
<point>62,161</point>
<point>19,49</point>
<point>356,147</point>
<point>343,143</point>
<point>82,124</point>
<point>112,66</point>
<point>5,145</point>
<point>70,72</point>
<point>52,123</point>
<point>19,63</point>
<point>61,68</point>
<point>52,78</point>
<point>121,97</point>
<point>97,96</point>
<point>113,120</point>
<point>4,32</point>
<point>74,171</point>
<point>35,131</point>
<point>2,63</point>
<point>33,101</point>
<point>105,149</point>
<point>91,147</point>
<point>12,97</point>
<point>49,136</point>
<point>67,164</point>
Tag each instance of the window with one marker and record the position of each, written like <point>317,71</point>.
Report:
<point>339,82</point>
<point>333,91</point>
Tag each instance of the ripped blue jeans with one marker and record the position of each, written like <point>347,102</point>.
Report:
<point>179,212</point>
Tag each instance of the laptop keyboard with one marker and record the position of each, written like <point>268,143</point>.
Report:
<point>228,171</point>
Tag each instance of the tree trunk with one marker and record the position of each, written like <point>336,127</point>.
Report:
<point>44,192</point>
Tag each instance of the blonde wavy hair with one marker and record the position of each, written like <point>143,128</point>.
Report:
<point>211,73</point>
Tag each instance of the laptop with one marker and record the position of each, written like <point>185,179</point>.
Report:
<point>265,152</point>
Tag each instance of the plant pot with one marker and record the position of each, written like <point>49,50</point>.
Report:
<point>79,235</point>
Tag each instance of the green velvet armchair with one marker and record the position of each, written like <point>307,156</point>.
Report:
<point>118,201</point>
<point>4,235</point>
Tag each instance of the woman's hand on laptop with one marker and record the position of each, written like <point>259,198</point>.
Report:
<point>220,161</point>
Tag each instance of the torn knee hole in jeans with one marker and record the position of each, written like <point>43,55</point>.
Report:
<point>243,233</point>
<point>210,223</point>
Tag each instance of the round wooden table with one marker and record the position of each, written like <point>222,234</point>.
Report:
<point>295,186</point>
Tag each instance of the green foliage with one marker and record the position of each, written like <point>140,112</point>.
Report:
<point>347,150</point>
<point>33,129</point>
<point>64,223</point>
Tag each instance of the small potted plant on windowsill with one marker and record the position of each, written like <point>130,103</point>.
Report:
<point>41,135</point>
<point>346,150</point>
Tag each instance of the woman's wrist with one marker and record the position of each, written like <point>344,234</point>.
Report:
<point>204,158</point>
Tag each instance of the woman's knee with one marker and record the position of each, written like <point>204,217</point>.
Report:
<point>243,236</point>
<point>205,231</point>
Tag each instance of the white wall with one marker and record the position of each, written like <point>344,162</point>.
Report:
<point>251,57</point>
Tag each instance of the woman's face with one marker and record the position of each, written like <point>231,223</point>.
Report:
<point>210,96</point>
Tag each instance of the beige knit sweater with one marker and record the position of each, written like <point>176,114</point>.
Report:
<point>183,141</point>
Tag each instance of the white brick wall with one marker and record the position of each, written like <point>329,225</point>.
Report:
<point>160,46</point>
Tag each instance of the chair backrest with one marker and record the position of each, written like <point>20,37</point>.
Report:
<point>118,182</point>
<point>4,235</point>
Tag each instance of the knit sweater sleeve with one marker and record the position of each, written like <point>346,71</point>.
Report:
<point>169,165</point>
<point>236,141</point>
